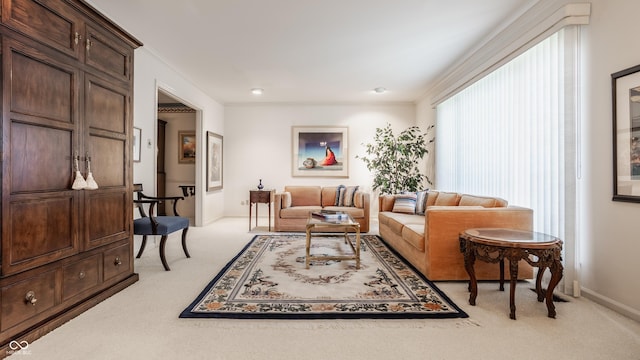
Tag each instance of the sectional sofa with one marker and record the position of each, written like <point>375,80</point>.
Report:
<point>429,240</point>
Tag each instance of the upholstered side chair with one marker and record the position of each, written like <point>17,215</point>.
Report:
<point>150,224</point>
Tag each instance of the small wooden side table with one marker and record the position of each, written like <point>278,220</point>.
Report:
<point>260,197</point>
<point>494,245</point>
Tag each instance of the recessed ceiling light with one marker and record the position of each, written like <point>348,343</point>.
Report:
<point>379,90</point>
<point>257,91</point>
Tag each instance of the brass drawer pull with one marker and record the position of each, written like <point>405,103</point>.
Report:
<point>117,261</point>
<point>30,298</point>
<point>82,274</point>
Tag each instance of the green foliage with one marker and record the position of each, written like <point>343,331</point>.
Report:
<point>395,161</point>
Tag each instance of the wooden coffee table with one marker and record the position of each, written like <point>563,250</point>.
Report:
<point>324,227</point>
<point>494,245</point>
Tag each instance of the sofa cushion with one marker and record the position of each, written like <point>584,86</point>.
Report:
<point>298,212</point>
<point>329,197</point>
<point>447,199</point>
<point>358,199</point>
<point>414,235</point>
<point>396,221</point>
<point>383,217</point>
<point>387,202</point>
<point>304,195</point>
<point>395,225</point>
<point>405,203</point>
<point>432,196</point>
<point>286,199</point>
<point>472,200</point>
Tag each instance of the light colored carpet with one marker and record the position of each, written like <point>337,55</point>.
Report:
<point>142,321</point>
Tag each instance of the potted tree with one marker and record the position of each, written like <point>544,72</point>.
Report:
<point>394,160</point>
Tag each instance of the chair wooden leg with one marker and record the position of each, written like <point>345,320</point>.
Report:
<point>144,243</point>
<point>163,241</point>
<point>184,242</point>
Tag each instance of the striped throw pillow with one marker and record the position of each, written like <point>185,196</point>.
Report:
<point>347,199</point>
<point>405,203</point>
<point>421,201</point>
<point>339,194</point>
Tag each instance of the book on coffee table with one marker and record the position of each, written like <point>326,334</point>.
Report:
<point>329,215</point>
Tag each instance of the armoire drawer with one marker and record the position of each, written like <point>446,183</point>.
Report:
<point>80,276</point>
<point>25,299</point>
<point>117,261</point>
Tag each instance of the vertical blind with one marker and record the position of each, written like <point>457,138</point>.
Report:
<point>504,135</point>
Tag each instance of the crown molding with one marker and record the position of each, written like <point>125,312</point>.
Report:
<point>542,20</point>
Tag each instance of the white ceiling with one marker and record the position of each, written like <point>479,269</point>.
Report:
<point>311,50</point>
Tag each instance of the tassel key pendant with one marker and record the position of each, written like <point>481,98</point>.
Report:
<point>78,183</point>
<point>91,182</point>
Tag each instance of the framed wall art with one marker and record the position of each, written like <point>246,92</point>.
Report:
<point>186,147</point>
<point>626,134</point>
<point>214,161</point>
<point>137,138</point>
<point>320,151</point>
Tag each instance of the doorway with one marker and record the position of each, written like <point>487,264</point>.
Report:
<point>176,155</point>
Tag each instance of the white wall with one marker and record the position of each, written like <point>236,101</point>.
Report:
<point>609,231</point>
<point>608,239</point>
<point>150,72</point>
<point>258,145</point>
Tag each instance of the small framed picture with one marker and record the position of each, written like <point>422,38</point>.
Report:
<point>214,161</point>
<point>187,147</point>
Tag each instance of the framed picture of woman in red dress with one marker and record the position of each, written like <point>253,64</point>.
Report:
<point>320,151</point>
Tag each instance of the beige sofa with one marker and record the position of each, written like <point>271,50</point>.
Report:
<point>292,206</point>
<point>430,242</point>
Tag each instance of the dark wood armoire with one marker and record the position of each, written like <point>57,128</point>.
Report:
<point>67,93</point>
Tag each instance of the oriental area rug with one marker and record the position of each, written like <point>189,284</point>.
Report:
<point>268,279</point>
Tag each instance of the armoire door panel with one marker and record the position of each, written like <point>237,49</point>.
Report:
<point>41,158</point>
<point>40,86</point>
<point>106,217</point>
<point>51,22</point>
<point>38,231</point>
<point>106,107</point>
<point>107,161</point>
<point>107,54</point>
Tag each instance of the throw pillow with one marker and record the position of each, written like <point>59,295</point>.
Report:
<point>405,203</point>
<point>339,193</point>
<point>347,198</point>
<point>421,201</point>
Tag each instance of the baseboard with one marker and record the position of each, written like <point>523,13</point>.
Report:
<point>611,304</point>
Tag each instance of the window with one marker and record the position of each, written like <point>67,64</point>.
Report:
<point>508,134</point>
